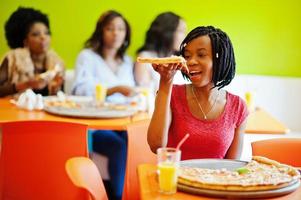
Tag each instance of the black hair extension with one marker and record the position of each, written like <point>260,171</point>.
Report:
<point>222,54</point>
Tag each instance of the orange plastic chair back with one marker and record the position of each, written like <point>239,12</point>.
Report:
<point>33,157</point>
<point>138,153</point>
<point>84,174</point>
<point>284,150</point>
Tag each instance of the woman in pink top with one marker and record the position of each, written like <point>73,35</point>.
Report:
<point>214,118</point>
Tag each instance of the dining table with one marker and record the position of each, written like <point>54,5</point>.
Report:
<point>262,122</point>
<point>10,112</point>
<point>149,188</point>
<point>259,120</point>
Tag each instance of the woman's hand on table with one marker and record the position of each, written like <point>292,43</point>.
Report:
<point>125,90</point>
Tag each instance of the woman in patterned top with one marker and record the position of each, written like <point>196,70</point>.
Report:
<point>28,35</point>
<point>214,118</point>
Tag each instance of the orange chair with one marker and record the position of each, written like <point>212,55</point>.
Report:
<point>138,153</point>
<point>284,150</point>
<point>33,156</point>
<point>84,174</point>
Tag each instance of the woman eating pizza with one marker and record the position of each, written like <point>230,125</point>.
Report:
<point>31,60</point>
<point>214,118</point>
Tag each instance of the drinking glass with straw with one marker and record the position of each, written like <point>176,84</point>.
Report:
<point>168,164</point>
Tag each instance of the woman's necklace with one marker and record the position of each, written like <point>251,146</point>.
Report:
<point>204,114</point>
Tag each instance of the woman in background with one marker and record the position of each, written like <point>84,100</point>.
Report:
<point>163,39</point>
<point>28,35</point>
<point>104,61</point>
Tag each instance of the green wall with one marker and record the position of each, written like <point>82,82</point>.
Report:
<point>266,34</point>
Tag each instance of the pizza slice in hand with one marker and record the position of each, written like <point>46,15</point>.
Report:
<point>50,73</point>
<point>164,60</point>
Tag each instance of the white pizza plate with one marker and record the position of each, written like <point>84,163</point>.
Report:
<point>77,99</point>
<point>242,195</point>
<point>231,165</point>
<point>88,110</point>
<point>214,163</point>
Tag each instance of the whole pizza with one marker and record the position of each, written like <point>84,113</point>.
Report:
<point>258,175</point>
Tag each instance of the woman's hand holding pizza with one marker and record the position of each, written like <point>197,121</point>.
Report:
<point>167,66</point>
<point>167,71</point>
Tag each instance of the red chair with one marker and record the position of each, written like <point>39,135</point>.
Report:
<point>138,153</point>
<point>284,150</point>
<point>33,156</point>
<point>84,174</point>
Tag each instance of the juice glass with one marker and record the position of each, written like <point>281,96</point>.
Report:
<point>168,164</point>
<point>249,97</point>
<point>100,93</point>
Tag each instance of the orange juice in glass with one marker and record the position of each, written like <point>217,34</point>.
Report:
<point>100,93</point>
<point>249,97</point>
<point>168,164</point>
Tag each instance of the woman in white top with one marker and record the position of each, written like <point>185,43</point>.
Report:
<point>103,61</point>
<point>163,39</point>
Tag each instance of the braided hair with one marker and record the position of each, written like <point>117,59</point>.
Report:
<point>19,23</point>
<point>222,53</point>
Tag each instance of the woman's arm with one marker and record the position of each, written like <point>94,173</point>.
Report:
<point>234,151</point>
<point>56,84</point>
<point>142,74</point>
<point>84,82</point>
<point>157,135</point>
<point>158,129</point>
<point>6,88</point>
<point>57,81</point>
<point>123,89</point>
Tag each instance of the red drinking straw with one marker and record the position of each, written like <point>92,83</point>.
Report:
<point>182,141</point>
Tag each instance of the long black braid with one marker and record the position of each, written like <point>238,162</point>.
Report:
<point>222,54</point>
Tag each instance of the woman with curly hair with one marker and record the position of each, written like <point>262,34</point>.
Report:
<point>30,64</point>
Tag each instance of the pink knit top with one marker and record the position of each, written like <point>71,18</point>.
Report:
<point>208,138</point>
